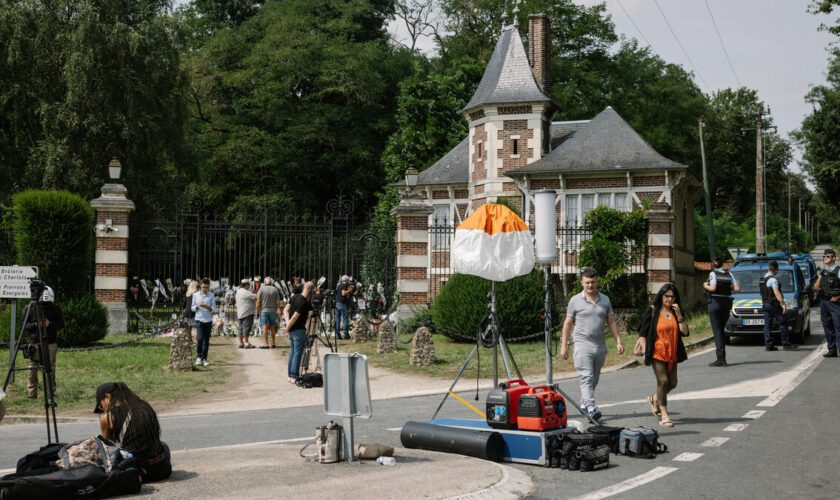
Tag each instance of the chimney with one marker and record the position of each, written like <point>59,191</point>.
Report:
<point>539,49</point>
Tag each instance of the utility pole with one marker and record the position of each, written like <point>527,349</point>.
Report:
<point>710,231</point>
<point>759,189</point>
<point>789,245</point>
<point>800,213</point>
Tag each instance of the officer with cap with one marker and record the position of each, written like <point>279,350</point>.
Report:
<point>720,285</point>
<point>828,285</point>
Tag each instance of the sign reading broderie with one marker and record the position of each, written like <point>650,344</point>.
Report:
<point>14,281</point>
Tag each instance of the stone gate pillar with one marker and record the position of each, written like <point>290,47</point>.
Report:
<point>412,254</point>
<point>111,282</point>
<point>660,251</point>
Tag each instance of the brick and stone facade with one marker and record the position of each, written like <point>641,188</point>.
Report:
<point>111,280</point>
<point>514,149</point>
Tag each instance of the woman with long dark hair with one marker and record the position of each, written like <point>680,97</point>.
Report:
<point>132,424</point>
<point>660,334</point>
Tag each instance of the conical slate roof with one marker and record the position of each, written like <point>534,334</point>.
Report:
<point>508,78</point>
<point>605,143</point>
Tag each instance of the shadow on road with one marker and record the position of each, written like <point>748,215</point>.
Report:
<point>758,362</point>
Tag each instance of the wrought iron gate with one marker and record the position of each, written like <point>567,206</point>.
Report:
<point>196,244</point>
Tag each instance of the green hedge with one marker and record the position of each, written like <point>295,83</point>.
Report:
<point>85,321</point>
<point>54,231</point>
<point>462,303</point>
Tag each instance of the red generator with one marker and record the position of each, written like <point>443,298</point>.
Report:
<point>503,402</point>
<point>541,409</point>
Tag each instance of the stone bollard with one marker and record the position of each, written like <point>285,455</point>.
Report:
<point>422,348</point>
<point>181,351</point>
<point>360,330</point>
<point>387,338</point>
<point>622,321</point>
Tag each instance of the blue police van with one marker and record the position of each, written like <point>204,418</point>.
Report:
<point>747,316</point>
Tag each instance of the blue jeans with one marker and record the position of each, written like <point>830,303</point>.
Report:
<point>774,313</point>
<point>297,340</point>
<point>202,338</point>
<point>830,319</point>
<point>342,317</point>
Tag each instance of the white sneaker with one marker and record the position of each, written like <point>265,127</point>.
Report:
<point>197,361</point>
<point>204,362</point>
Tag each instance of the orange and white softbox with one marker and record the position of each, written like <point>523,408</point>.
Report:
<point>493,243</point>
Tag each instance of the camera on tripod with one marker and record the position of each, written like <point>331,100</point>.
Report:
<point>36,289</point>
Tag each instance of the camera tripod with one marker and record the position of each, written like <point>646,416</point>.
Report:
<point>41,348</point>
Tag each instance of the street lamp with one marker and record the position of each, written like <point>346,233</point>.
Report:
<point>411,176</point>
<point>114,168</point>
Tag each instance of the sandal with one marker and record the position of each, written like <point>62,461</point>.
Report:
<point>666,422</point>
<point>654,406</point>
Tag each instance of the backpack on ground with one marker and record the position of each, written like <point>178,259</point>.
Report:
<point>612,435</point>
<point>640,442</point>
<point>594,458</point>
<point>567,451</point>
<point>310,380</point>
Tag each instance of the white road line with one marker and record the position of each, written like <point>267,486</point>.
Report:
<point>804,369</point>
<point>249,445</point>
<point>736,427</point>
<point>397,429</point>
<point>3,472</point>
<point>714,442</point>
<point>633,482</point>
<point>753,414</point>
<point>687,457</point>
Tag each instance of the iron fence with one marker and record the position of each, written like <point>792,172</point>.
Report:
<point>164,252</point>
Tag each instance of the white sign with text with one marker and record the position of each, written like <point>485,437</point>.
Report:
<point>14,281</point>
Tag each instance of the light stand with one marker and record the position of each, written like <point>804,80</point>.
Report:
<point>545,234</point>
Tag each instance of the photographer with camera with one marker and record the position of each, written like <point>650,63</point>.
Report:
<point>342,307</point>
<point>53,321</point>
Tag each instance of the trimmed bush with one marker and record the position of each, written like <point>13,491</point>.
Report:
<point>54,231</point>
<point>462,303</point>
<point>85,321</point>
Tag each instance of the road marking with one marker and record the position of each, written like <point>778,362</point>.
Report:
<point>633,482</point>
<point>249,445</point>
<point>754,414</point>
<point>397,429</point>
<point>3,472</point>
<point>714,442</point>
<point>802,371</point>
<point>687,457</point>
<point>736,427</point>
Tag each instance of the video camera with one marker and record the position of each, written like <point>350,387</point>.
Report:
<point>36,289</point>
<point>320,294</point>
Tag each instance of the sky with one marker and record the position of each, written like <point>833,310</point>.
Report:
<point>774,46</point>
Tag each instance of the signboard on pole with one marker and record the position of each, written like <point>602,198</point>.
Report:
<point>736,251</point>
<point>14,281</point>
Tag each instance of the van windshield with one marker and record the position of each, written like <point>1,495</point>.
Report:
<point>748,279</point>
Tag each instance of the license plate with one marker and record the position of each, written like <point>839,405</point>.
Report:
<point>753,322</point>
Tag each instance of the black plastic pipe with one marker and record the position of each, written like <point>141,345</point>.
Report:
<point>472,443</point>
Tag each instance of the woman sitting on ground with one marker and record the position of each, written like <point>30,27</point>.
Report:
<point>132,424</point>
<point>660,334</point>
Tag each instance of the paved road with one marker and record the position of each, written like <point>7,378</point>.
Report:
<point>765,426</point>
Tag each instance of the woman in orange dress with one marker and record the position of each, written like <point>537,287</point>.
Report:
<point>661,331</point>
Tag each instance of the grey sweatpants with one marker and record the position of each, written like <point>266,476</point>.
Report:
<point>589,359</point>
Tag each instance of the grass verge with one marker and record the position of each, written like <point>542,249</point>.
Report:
<point>529,356</point>
<point>141,365</point>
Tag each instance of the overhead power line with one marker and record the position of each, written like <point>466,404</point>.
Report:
<point>635,26</point>
<point>680,44</point>
<point>722,45</point>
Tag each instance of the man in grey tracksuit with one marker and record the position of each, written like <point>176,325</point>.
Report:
<point>586,315</point>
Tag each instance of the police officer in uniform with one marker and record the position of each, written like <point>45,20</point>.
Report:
<point>828,285</point>
<point>775,309</point>
<point>720,285</point>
